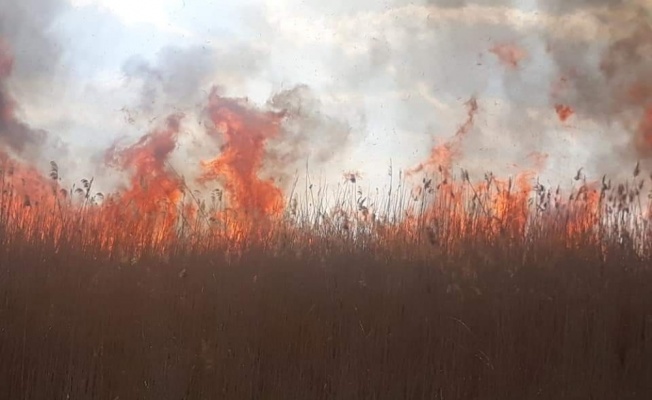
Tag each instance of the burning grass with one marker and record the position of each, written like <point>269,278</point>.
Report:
<point>456,289</point>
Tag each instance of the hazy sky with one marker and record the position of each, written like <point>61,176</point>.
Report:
<point>395,73</point>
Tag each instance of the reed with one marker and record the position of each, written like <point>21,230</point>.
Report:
<point>452,289</point>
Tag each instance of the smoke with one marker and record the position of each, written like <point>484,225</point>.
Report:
<point>423,60</point>
<point>14,134</point>
<point>28,60</point>
<point>536,68</point>
<point>308,133</point>
<point>180,77</point>
<point>568,78</point>
<point>245,131</point>
<point>466,3</point>
<point>608,79</point>
<point>565,7</point>
<point>26,26</point>
<point>261,147</point>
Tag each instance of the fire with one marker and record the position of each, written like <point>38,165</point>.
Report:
<point>245,131</point>
<point>645,131</point>
<point>584,212</point>
<point>151,212</point>
<point>510,204</point>
<point>27,200</point>
<point>564,112</point>
<point>155,190</point>
<point>151,181</point>
<point>509,54</point>
<point>442,156</point>
<point>26,183</point>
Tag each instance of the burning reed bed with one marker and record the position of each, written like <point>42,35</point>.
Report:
<point>454,290</point>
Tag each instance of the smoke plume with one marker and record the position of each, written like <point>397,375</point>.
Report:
<point>14,134</point>
<point>28,59</point>
<point>607,79</point>
<point>180,77</point>
<point>308,133</point>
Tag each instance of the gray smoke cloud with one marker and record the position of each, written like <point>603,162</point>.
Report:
<point>180,77</point>
<point>308,134</point>
<point>433,52</point>
<point>28,59</point>
<point>14,134</point>
<point>592,56</point>
<point>565,7</point>
<point>608,79</point>
<point>26,26</point>
<point>409,64</point>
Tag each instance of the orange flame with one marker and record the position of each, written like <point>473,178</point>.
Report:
<point>442,156</point>
<point>510,208</point>
<point>645,130</point>
<point>154,191</point>
<point>151,178</point>
<point>564,112</point>
<point>509,54</point>
<point>245,131</point>
<point>26,183</point>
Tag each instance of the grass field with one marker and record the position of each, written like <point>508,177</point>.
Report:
<point>456,290</point>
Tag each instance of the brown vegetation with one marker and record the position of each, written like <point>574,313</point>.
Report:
<point>491,290</point>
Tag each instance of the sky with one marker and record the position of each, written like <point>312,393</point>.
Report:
<point>379,82</point>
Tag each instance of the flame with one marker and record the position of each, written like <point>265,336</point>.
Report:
<point>245,131</point>
<point>147,213</point>
<point>155,190</point>
<point>509,54</point>
<point>564,112</point>
<point>510,204</point>
<point>27,202</point>
<point>584,212</point>
<point>645,131</point>
<point>442,156</point>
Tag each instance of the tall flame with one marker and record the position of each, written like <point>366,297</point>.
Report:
<point>155,190</point>
<point>245,132</point>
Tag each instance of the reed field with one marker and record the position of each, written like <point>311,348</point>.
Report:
<point>455,288</point>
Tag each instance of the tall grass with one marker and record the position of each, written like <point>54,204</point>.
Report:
<point>457,289</point>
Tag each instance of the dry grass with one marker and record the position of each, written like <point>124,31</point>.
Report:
<point>461,299</point>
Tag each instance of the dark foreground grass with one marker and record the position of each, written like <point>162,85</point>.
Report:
<point>504,322</point>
